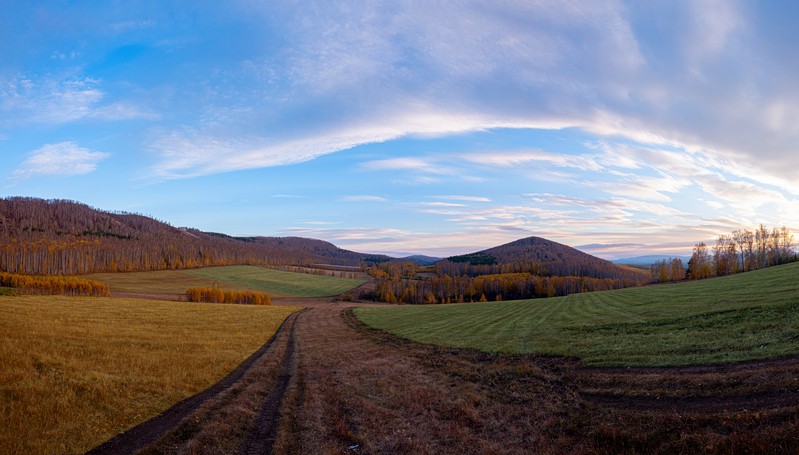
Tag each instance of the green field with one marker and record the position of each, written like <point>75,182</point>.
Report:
<point>752,315</point>
<point>235,278</point>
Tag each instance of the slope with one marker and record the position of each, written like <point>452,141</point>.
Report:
<point>57,237</point>
<point>752,315</point>
<point>552,258</point>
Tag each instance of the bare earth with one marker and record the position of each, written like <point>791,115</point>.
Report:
<point>327,384</point>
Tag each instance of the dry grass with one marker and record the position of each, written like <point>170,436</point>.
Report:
<point>159,282</point>
<point>277,283</point>
<point>76,371</point>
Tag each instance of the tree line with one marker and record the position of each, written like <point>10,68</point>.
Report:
<point>407,282</point>
<point>743,250</point>
<point>508,286</point>
<point>54,285</point>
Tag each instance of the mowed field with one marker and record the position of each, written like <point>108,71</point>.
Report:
<point>276,283</point>
<point>76,371</point>
<point>753,315</point>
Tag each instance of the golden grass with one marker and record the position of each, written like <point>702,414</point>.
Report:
<point>75,371</point>
<point>157,282</point>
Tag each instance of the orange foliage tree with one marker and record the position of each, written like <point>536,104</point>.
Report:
<point>216,295</point>
<point>54,285</point>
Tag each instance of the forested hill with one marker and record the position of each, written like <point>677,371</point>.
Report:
<point>541,257</point>
<point>56,237</point>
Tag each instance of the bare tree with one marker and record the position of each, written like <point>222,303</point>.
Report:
<point>744,239</point>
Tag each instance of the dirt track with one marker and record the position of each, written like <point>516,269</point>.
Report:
<point>327,384</point>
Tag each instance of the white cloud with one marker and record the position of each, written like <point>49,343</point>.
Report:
<point>742,196</point>
<point>65,158</point>
<point>509,159</point>
<point>404,164</point>
<point>712,24</point>
<point>440,204</point>
<point>463,198</point>
<point>364,198</point>
<point>55,100</point>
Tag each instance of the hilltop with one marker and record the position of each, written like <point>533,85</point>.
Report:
<point>549,257</point>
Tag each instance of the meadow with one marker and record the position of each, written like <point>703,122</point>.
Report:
<point>75,371</point>
<point>277,283</point>
<point>752,315</point>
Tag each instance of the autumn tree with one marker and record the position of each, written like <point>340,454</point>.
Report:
<point>699,266</point>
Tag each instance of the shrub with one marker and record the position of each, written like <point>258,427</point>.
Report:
<point>216,295</point>
<point>54,285</point>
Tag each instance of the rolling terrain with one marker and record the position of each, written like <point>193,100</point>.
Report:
<point>167,284</point>
<point>703,366</point>
<point>552,257</point>
<point>56,237</point>
<point>747,316</point>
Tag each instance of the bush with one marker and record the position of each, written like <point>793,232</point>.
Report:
<point>216,295</point>
<point>54,285</point>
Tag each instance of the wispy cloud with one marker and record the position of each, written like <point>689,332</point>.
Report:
<point>54,100</point>
<point>405,164</point>
<point>509,159</point>
<point>65,158</point>
<point>364,198</point>
<point>463,198</point>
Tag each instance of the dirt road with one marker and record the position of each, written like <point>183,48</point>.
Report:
<point>327,384</point>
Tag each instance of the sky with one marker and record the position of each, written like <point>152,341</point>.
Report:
<point>411,127</point>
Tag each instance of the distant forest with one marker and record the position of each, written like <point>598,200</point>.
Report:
<point>527,268</point>
<point>536,267</point>
<point>57,237</point>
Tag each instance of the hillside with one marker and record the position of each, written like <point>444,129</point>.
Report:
<point>747,316</point>
<point>548,257</point>
<point>67,238</point>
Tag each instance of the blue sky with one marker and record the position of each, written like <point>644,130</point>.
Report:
<point>620,128</point>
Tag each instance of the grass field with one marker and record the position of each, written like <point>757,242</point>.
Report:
<point>75,371</point>
<point>277,283</point>
<point>752,315</point>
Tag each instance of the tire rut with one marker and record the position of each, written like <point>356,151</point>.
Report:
<point>147,433</point>
<point>264,429</point>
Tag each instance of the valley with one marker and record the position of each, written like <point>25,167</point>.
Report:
<point>599,362</point>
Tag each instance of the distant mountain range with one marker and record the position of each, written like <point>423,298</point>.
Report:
<point>649,259</point>
<point>421,259</point>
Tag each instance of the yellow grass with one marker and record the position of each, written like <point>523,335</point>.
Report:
<point>75,371</point>
<point>159,282</point>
